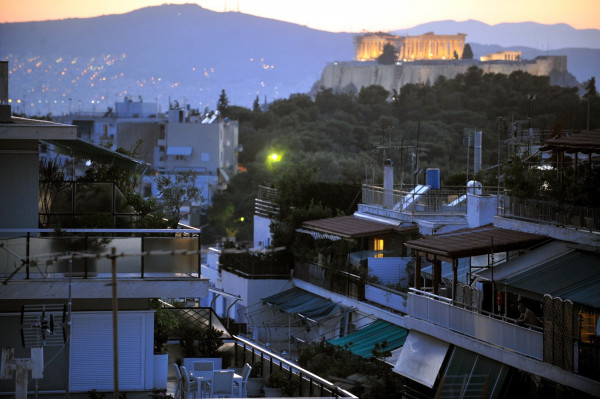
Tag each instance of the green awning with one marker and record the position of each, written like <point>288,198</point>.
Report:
<point>303,303</point>
<point>362,342</point>
<point>574,276</point>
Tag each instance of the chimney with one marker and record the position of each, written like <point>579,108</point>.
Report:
<point>477,152</point>
<point>5,113</point>
<point>388,183</point>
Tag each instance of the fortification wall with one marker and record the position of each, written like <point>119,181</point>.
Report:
<point>353,76</point>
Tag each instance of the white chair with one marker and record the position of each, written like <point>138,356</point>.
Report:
<point>190,387</point>
<point>245,374</point>
<point>178,381</point>
<point>222,384</point>
<point>204,370</point>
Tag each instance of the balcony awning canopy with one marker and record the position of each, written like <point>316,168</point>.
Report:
<point>585,142</point>
<point>421,358</point>
<point>350,227</point>
<point>475,241</point>
<point>363,341</point>
<point>303,303</point>
<point>574,276</point>
<point>87,150</point>
<point>179,150</point>
<point>526,261</point>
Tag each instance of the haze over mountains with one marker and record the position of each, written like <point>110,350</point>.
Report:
<point>189,54</point>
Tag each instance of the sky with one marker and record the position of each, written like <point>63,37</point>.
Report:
<point>335,15</point>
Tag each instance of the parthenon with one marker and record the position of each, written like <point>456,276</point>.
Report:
<point>411,48</point>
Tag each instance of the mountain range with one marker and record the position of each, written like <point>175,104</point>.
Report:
<point>189,54</point>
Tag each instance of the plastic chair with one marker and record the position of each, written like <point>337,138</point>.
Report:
<point>205,370</point>
<point>222,384</point>
<point>189,386</point>
<point>178,381</point>
<point>245,374</point>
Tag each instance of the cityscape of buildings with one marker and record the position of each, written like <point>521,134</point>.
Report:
<point>462,263</point>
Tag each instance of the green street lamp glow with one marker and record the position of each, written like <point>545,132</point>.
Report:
<point>275,157</point>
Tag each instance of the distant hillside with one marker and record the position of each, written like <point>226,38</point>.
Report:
<point>189,54</point>
<point>183,52</point>
<point>529,34</point>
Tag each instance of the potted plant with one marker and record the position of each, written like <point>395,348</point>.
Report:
<point>201,344</point>
<point>165,322</point>
<point>280,383</point>
<point>256,381</point>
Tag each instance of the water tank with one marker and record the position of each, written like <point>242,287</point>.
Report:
<point>474,187</point>
<point>433,178</point>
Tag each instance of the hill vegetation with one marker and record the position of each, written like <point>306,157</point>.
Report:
<point>342,139</point>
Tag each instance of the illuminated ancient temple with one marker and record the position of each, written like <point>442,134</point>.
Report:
<point>427,46</point>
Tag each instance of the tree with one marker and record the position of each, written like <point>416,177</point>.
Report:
<point>223,103</point>
<point>389,55</point>
<point>590,88</point>
<point>467,52</point>
<point>174,194</point>
<point>256,106</point>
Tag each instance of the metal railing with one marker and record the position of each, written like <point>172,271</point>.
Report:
<point>31,255</point>
<point>549,212</point>
<point>448,201</point>
<point>476,324</point>
<point>309,384</point>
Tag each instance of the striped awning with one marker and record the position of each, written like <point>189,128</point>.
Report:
<point>386,335</point>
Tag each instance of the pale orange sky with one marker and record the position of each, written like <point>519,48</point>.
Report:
<point>335,15</point>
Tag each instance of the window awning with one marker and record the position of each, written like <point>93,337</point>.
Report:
<point>517,265</point>
<point>574,276</point>
<point>179,150</point>
<point>421,358</point>
<point>87,150</point>
<point>362,342</point>
<point>303,303</point>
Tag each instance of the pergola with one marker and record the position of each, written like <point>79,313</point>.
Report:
<point>450,247</point>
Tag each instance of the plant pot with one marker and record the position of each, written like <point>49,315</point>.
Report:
<point>273,392</point>
<point>254,386</point>
<point>161,370</point>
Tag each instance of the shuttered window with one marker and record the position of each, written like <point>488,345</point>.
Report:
<point>91,360</point>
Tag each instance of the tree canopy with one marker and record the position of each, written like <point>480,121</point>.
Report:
<point>389,55</point>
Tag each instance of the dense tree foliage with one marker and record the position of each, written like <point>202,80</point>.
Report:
<point>389,55</point>
<point>343,138</point>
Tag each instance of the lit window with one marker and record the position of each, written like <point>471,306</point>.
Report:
<point>378,246</point>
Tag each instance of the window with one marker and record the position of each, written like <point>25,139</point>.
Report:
<point>205,157</point>
<point>378,246</point>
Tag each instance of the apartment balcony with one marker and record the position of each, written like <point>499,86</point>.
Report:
<point>550,213</point>
<point>479,325</point>
<point>146,263</point>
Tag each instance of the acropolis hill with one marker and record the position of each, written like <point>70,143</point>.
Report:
<point>423,59</point>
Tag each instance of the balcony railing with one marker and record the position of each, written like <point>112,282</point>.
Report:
<point>549,212</point>
<point>338,281</point>
<point>310,385</point>
<point>441,311</point>
<point>87,253</point>
<point>447,201</point>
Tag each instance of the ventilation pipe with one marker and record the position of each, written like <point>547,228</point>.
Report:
<point>388,183</point>
<point>477,152</point>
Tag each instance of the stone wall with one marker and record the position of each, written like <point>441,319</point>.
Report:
<point>353,76</point>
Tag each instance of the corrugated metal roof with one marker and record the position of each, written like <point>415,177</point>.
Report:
<point>475,241</point>
<point>353,227</point>
<point>362,342</point>
<point>574,276</point>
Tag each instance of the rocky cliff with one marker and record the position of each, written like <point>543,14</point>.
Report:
<point>352,76</point>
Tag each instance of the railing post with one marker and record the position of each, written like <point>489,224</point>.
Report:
<point>27,255</point>
<point>143,257</point>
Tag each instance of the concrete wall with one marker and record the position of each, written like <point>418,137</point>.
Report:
<point>19,182</point>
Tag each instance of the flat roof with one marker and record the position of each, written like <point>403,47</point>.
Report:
<point>354,227</point>
<point>475,241</point>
